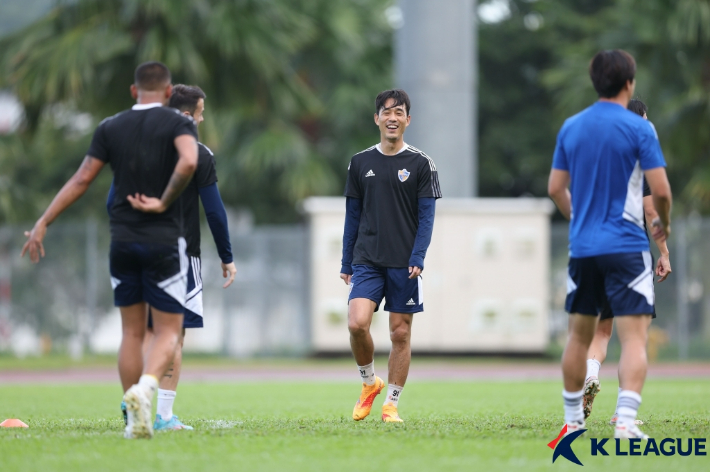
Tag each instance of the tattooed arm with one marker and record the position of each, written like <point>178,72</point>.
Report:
<point>186,146</point>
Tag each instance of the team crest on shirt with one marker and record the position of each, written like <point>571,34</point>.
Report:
<point>403,175</point>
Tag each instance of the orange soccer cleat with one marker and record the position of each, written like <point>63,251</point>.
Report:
<point>367,396</point>
<point>389,414</point>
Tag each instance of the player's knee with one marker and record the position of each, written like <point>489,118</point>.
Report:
<point>401,334</point>
<point>357,328</point>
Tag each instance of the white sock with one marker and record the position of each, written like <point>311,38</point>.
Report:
<point>149,384</point>
<point>628,406</point>
<point>616,412</point>
<point>573,406</point>
<point>394,392</point>
<point>593,366</point>
<point>367,373</point>
<point>166,398</point>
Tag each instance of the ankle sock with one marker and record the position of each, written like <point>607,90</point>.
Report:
<point>394,392</point>
<point>573,406</point>
<point>149,384</point>
<point>628,406</point>
<point>593,366</point>
<point>166,398</point>
<point>367,373</point>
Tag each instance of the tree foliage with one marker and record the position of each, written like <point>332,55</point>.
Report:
<point>290,87</point>
<point>288,83</point>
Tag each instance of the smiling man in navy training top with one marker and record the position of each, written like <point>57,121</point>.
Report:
<point>391,192</point>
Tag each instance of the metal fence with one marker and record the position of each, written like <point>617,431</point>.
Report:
<point>65,302</point>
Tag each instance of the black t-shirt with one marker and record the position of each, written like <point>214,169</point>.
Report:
<point>205,175</point>
<point>390,188</point>
<point>139,145</point>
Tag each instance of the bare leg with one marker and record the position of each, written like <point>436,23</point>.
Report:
<point>161,352</point>
<point>130,358</point>
<point>633,335</point>
<point>360,313</point>
<point>600,343</point>
<point>574,359</point>
<point>147,341</point>
<point>401,353</point>
<point>172,376</point>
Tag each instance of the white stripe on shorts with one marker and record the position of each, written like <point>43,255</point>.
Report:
<point>176,286</point>
<point>421,290</point>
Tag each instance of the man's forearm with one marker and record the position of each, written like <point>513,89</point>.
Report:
<point>70,193</point>
<point>73,189</point>
<point>178,182</point>
<point>563,200</point>
<point>353,211</point>
<point>662,204</point>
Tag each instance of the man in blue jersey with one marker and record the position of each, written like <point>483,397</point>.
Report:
<point>598,348</point>
<point>601,158</point>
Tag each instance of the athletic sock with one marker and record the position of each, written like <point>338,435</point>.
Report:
<point>616,411</point>
<point>628,406</point>
<point>149,384</point>
<point>367,373</point>
<point>394,392</point>
<point>593,366</point>
<point>166,398</point>
<point>573,406</point>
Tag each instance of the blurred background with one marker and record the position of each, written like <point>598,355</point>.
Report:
<point>290,95</point>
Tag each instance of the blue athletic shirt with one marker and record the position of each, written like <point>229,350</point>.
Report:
<point>605,149</point>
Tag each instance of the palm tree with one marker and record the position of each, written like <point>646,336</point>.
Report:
<point>289,82</point>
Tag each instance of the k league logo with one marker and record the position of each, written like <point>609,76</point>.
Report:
<point>562,445</point>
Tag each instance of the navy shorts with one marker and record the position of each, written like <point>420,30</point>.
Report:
<point>154,273</point>
<point>401,294</point>
<point>606,309</point>
<point>193,302</point>
<point>623,280</point>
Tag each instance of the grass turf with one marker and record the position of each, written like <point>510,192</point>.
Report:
<point>297,426</point>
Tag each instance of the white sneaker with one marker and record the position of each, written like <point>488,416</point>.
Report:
<point>615,418</point>
<point>624,431</point>
<point>574,426</point>
<point>591,388</point>
<point>140,418</point>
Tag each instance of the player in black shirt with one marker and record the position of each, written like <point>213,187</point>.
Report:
<point>602,336</point>
<point>391,192</point>
<point>190,101</point>
<point>152,151</point>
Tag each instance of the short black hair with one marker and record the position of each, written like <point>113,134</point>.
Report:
<point>185,97</point>
<point>399,96</point>
<point>610,70</point>
<point>637,106</point>
<point>151,76</point>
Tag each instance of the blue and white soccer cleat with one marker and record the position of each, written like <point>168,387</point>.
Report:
<point>173,424</point>
<point>124,410</point>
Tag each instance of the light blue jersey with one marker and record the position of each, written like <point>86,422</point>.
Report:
<point>606,148</point>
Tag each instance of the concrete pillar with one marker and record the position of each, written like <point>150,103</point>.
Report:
<point>435,63</point>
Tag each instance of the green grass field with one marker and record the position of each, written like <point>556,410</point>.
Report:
<point>281,426</point>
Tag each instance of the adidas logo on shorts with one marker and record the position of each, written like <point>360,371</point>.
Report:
<point>411,302</point>
<point>370,173</point>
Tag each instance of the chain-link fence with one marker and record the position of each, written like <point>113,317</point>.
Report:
<point>65,303</point>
